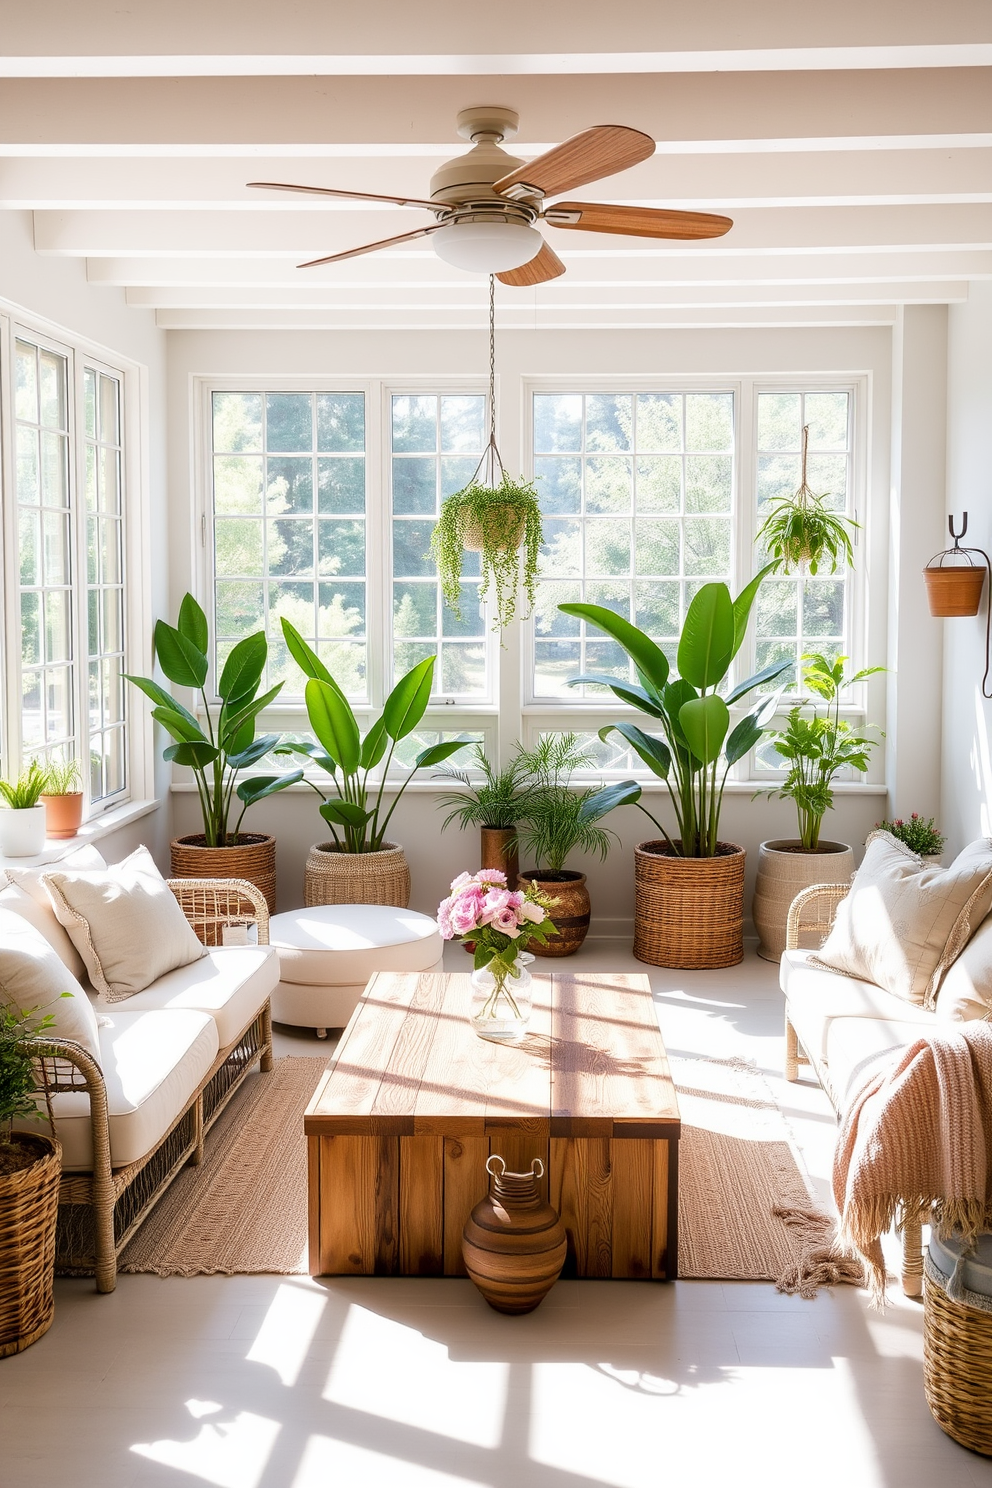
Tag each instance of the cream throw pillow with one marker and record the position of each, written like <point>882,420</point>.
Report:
<point>902,925</point>
<point>125,923</point>
<point>966,991</point>
<point>27,896</point>
<point>32,976</point>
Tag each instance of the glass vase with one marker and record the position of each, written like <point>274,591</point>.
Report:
<point>500,1011</point>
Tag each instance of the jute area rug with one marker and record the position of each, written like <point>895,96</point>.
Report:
<point>745,1213</point>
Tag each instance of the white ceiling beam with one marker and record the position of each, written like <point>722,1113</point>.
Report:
<point>531,318</point>
<point>303,235</point>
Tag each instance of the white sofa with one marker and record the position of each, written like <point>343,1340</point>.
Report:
<point>838,1025</point>
<point>170,1057</point>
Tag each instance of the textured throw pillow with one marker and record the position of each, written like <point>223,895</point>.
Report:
<point>27,896</point>
<point>966,991</point>
<point>125,923</point>
<point>32,976</point>
<point>902,924</point>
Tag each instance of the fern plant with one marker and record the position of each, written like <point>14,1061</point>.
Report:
<point>503,523</point>
<point>557,820</point>
<point>63,778</point>
<point>496,802</point>
<point>24,792</point>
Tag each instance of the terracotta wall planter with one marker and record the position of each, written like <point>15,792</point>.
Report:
<point>570,914</point>
<point>336,877</point>
<point>253,857</point>
<point>784,868</point>
<point>955,590</point>
<point>688,912</point>
<point>496,851</point>
<point>63,814</point>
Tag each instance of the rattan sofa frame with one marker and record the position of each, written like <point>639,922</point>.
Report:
<point>100,1210</point>
<point>812,913</point>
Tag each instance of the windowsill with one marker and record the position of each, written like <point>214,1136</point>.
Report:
<point>92,831</point>
<point>650,786</point>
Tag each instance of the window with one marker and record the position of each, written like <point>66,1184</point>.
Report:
<point>66,688</point>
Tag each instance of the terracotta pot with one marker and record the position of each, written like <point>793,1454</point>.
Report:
<point>63,814</point>
<point>514,1242</point>
<point>253,857</point>
<point>954,591</point>
<point>688,912</point>
<point>570,914</point>
<point>785,868</point>
<point>502,527</point>
<point>29,1206</point>
<point>498,849</point>
<point>335,877</point>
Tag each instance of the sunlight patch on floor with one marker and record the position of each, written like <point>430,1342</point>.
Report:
<point>287,1332</point>
<point>229,1454</point>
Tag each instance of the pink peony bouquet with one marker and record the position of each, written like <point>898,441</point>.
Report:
<point>500,922</point>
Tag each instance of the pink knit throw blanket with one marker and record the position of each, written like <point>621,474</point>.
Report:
<point>918,1133</point>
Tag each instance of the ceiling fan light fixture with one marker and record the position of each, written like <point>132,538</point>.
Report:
<point>487,247</point>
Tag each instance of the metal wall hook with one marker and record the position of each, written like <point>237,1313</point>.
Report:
<point>957,536</point>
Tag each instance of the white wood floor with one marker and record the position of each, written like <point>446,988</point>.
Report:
<point>269,1382</point>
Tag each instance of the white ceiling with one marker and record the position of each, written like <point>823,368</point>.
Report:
<point>852,145</point>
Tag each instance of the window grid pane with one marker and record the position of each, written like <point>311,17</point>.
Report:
<point>103,454</point>
<point>637,496</point>
<point>289,497</point>
<point>46,561</point>
<point>436,442</point>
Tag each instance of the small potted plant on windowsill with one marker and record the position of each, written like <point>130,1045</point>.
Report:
<point>22,823</point>
<point>63,799</point>
<point>502,523</point>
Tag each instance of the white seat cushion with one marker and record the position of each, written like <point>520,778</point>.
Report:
<point>339,944</point>
<point>853,1043</point>
<point>152,1063</point>
<point>230,983</point>
<point>817,997</point>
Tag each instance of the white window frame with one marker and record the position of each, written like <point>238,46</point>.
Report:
<point>79,352</point>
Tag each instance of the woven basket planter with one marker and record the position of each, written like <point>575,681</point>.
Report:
<point>29,1206</point>
<point>252,857</point>
<point>688,912</point>
<point>957,1366</point>
<point>570,914</point>
<point>336,877</point>
<point>784,868</point>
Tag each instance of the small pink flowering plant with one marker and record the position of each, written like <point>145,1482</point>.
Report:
<point>500,922</point>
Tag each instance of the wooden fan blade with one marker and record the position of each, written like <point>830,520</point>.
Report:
<point>597,152</point>
<point>546,265</point>
<point>420,232</point>
<point>636,222</point>
<point>398,201</point>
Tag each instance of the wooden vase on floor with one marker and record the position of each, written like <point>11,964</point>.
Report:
<point>498,849</point>
<point>570,914</point>
<point>514,1243</point>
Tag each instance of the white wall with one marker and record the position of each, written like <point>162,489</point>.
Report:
<point>966,806</point>
<point>54,291</point>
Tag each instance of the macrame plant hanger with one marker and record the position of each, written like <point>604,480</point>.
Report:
<point>490,471</point>
<point>955,589</point>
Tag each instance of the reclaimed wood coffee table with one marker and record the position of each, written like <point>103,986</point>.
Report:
<point>414,1102</point>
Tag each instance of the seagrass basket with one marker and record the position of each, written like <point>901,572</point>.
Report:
<point>688,912</point>
<point>253,857</point>
<point>335,877</point>
<point>29,1206</point>
<point>957,1362</point>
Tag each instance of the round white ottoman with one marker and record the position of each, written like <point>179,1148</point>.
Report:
<point>328,952</point>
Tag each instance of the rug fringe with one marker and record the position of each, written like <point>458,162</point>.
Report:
<point>820,1260</point>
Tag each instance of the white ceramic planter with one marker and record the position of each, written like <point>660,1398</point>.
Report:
<point>784,868</point>
<point>22,833</point>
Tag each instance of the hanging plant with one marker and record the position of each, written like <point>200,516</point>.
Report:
<point>801,532</point>
<point>495,516</point>
<point>503,524</point>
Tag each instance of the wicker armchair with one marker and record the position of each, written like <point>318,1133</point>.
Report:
<point>99,1211</point>
<point>811,915</point>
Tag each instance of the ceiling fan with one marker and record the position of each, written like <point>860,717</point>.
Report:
<point>486,202</point>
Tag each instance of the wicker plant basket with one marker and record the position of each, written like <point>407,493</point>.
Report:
<point>253,857</point>
<point>336,877</point>
<point>688,912</point>
<point>957,1363</point>
<point>29,1206</point>
<point>570,914</point>
<point>784,868</point>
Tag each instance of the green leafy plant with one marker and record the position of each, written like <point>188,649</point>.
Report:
<point>555,819</point>
<point>62,778</point>
<point>493,802</point>
<point>800,531</point>
<point>17,1079</point>
<point>816,746</point>
<point>24,792</point>
<point>356,814</point>
<point>919,834</point>
<point>697,745</point>
<point>218,753</point>
<point>504,523</point>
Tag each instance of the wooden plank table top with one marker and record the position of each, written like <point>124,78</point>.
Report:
<point>593,1063</point>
